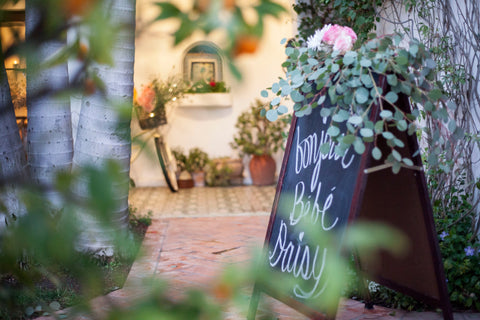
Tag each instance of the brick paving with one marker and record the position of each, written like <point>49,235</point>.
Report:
<point>197,232</point>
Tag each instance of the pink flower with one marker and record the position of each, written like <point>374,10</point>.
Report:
<point>332,34</point>
<point>343,43</point>
<point>339,37</point>
<point>351,33</point>
<point>147,99</point>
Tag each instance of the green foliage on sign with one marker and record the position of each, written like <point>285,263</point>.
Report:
<point>351,81</point>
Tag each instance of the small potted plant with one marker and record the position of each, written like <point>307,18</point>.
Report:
<point>196,162</point>
<point>260,138</point>
<point>150,104</point>
<point>184,177</point>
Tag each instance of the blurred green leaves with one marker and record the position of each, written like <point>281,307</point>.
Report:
<point>241,35</point>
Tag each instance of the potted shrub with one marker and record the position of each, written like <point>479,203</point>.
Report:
<point>150,104</point>
<point>224,171</point>
<point>184,177</point>
<point>260,138</point>
<point>196,162</point>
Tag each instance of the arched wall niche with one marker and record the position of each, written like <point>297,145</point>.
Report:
<point>203,62</point>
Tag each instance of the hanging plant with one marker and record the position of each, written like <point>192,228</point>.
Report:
<point>334,66</point>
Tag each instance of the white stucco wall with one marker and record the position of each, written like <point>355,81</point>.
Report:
<point>210,129</point>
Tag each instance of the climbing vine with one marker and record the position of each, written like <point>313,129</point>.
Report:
<point>449,28</point>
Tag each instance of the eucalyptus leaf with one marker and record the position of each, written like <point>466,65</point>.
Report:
<point>355,120</point>
<point>325,112</point>
<point>272,115</point>
<point>366,80</point>
<point>333,131</point>
<point>361,95</point>
<point>321,100</point>
<point>349,57</point>
<point>325,148</point>
<point>282,109</point>
<point>402,125</point>
<point>264,93</point>
<point>388,135</point>
<point>376,153</point>
<point>386,114</point>
<point>275,88</point>
<point>379,126</point>
<point>359,146</point>
<point>392,79</point>
<point>297,96</point>
<point>365,63</point>
<point>399,143</point>
<point>339,117</point>
<point>366,132</point>
<point>348,139</point>
<point>452,125</point>
<point>286,90</point>
<point>407,161</point>
<point>396,167</point>
<point>391,97</point>
<point>275,101</point>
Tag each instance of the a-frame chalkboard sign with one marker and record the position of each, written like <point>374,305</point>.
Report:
<point>329,193</point>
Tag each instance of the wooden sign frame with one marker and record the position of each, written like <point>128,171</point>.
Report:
<point>399,200</point>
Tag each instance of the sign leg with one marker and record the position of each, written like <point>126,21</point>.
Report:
<point>363,284</point>
<point>254,300</point>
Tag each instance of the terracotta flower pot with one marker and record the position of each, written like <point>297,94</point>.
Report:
<point>262,170</point>
<point>185,180</point>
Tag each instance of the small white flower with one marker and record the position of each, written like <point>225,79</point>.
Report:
<point>315,41</point>
<point>373,286</point>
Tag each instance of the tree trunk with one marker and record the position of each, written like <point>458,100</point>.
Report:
<point>103,133</point>
<point>12,156</point>
<point>49,134</point>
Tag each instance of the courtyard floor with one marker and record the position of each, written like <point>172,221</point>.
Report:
<point>197,232</point>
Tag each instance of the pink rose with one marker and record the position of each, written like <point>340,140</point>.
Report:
<point>351,33</point>
<point>341,38</point>
<point>343,43</point>
<point>332,34</point>
<point>147,99</point>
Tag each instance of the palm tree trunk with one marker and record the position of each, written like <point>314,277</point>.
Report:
<point>104,134</point>
<point>49,137</point>
<point>12,156</point>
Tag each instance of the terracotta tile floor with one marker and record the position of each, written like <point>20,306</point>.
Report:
<point>196,232</point>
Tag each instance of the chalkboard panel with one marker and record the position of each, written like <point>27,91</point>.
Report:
<point>315,190</point>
